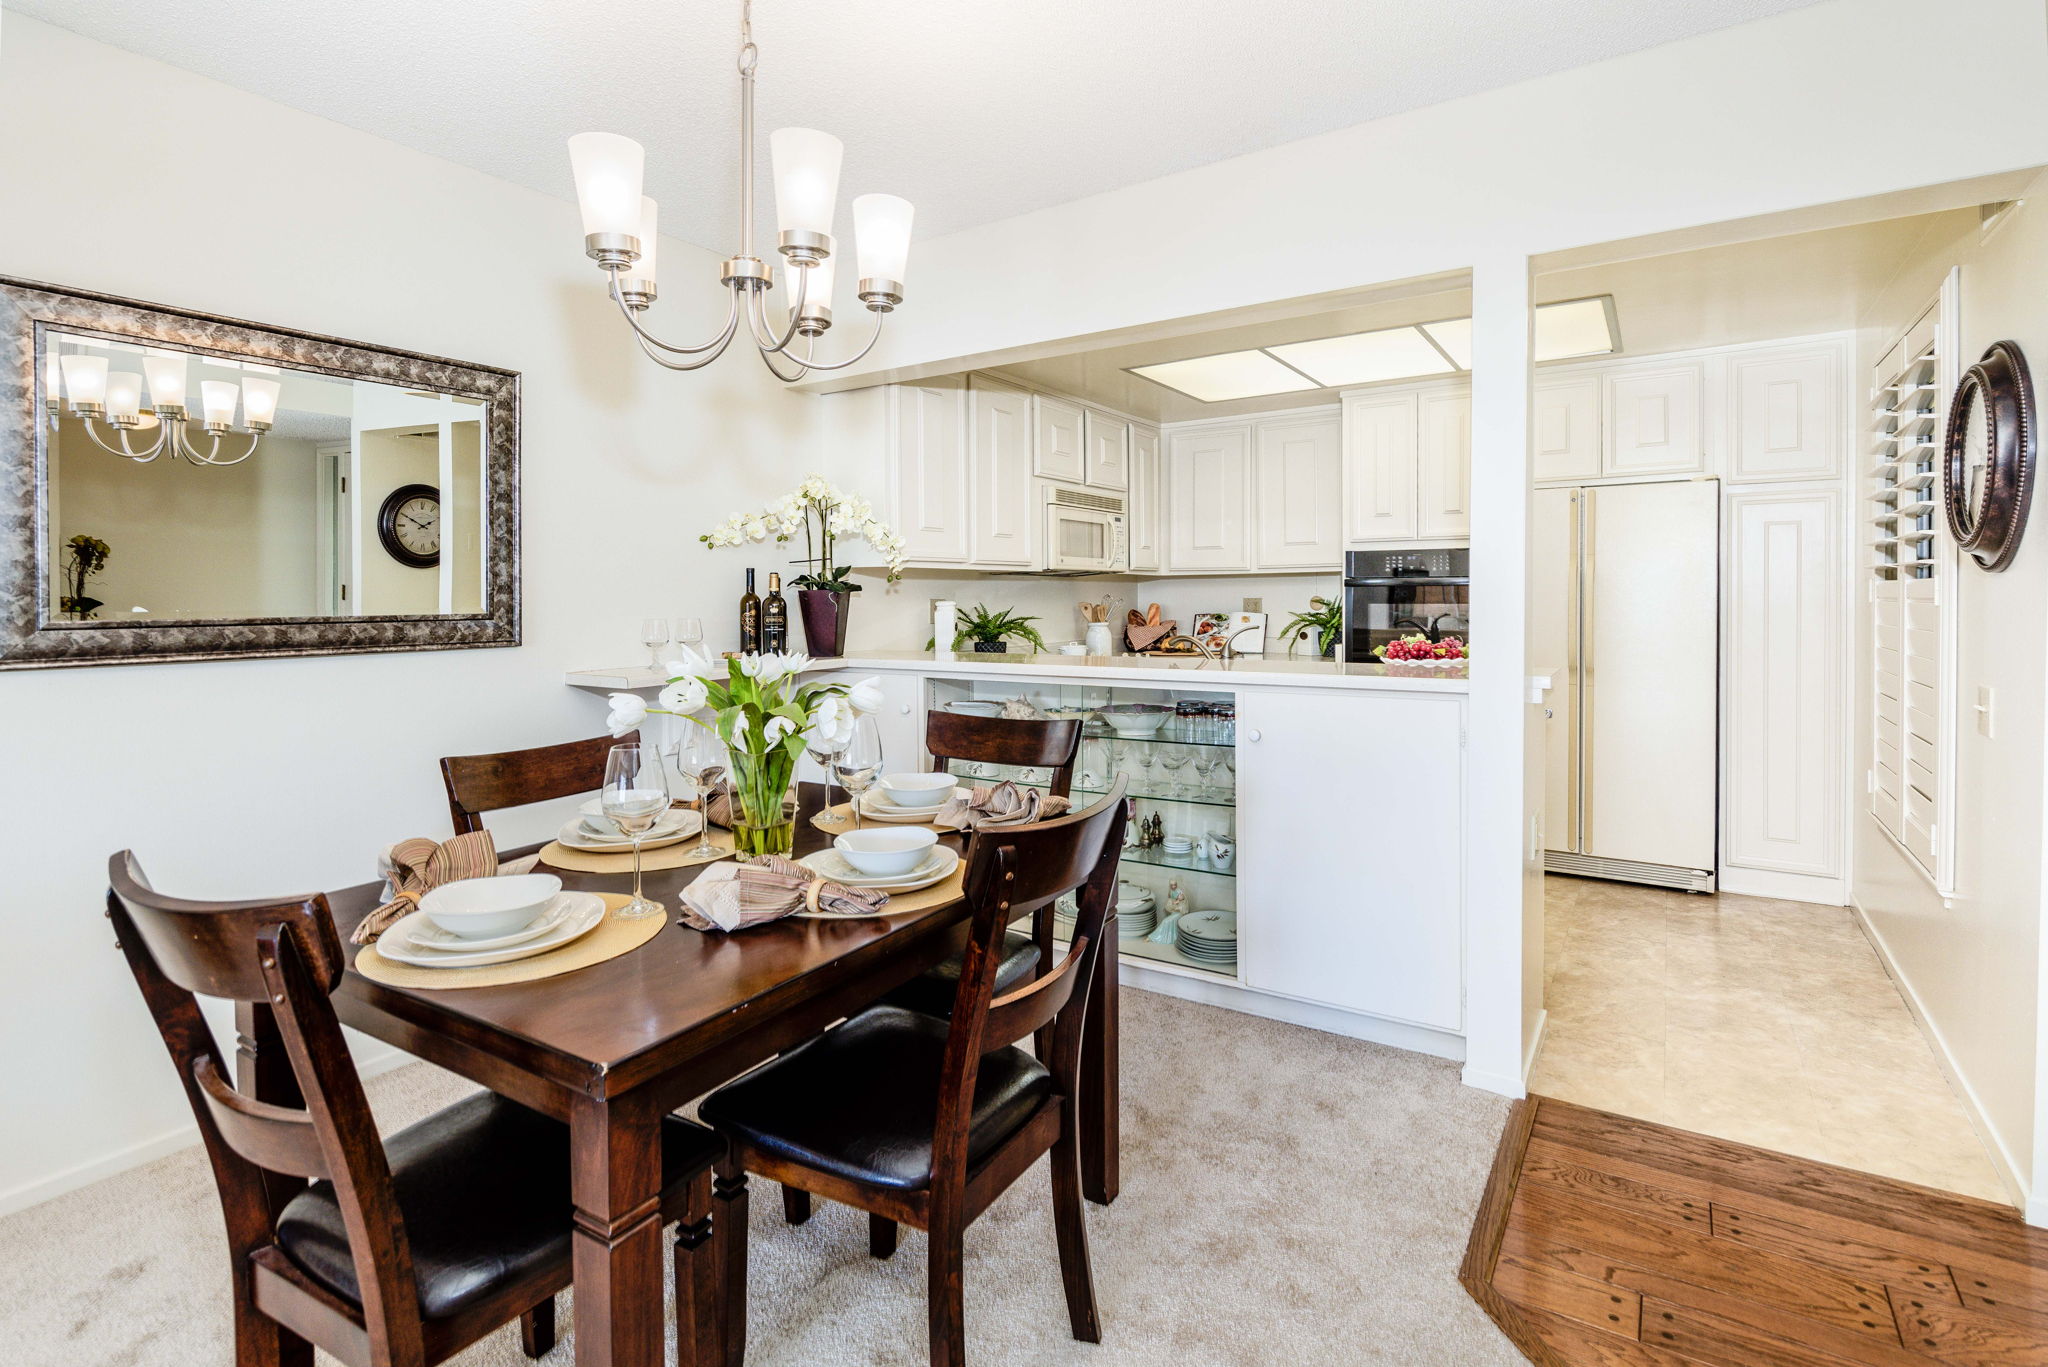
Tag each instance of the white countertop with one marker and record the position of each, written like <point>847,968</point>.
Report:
<point>1249,671</point>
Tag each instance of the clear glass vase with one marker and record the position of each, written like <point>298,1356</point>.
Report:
<point>763,820</point>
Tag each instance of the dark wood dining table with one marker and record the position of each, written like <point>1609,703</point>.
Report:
<point>612,1048</point>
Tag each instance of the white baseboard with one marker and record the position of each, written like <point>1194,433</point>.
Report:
<point>1501,1084</point>
<point>2035,1208</point>
<point>1399,1034</point>
<point>1786,887</point>
<point>148,1150</point>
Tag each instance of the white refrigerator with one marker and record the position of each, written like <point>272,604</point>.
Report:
<point>1624,617</point>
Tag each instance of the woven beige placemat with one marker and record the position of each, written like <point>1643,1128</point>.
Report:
<point>556,855</point>
<point>843,813</point>
<point>612,938</point>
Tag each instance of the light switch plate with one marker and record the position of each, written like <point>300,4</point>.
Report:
<point>1254,605</point>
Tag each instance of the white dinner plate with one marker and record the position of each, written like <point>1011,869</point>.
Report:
<point>575,837</point>
<point>937,867</point>
<point>1215,927</point>
<point>598,826</point>
<point>876,806</point>
<point>427,935</point>
<point>586,910</point>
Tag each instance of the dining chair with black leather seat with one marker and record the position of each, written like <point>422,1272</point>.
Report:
<point>383,1253</point>
<point>925,1122</point>
<point>487,783</point>
<point>1017,742</point>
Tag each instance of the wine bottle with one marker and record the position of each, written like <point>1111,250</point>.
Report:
<point>774,617</point>
<point>750,619</point>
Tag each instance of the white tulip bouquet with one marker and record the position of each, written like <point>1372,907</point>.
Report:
<point>767,716</point>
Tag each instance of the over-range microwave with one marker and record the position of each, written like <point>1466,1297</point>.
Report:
<point>1084,531</point>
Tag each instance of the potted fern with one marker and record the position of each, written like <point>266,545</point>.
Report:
<point>991,631</point>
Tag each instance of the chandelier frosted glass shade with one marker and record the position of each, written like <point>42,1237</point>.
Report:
<point>608,171</point>
<point>881,233</point>
<point>124,396</point>
<point>806,179</point>
<point>85,381</point>
<point>259,403</point>
<point>166,372</point>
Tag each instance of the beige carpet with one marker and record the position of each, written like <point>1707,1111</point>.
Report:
<point>1289,1197</point>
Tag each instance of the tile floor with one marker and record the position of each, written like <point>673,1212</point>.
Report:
<point>1764,1022</point>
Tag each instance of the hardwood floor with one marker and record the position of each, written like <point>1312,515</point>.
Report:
<point>1604,1241</point>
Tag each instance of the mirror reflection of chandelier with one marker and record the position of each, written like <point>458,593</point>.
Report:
<point>99,395</point>
<point>619,234</point>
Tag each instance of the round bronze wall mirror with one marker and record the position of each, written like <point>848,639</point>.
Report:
<point>1987,465</point>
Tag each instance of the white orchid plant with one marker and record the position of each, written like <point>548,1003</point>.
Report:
<point>767,716</point>
<point>821,514</point>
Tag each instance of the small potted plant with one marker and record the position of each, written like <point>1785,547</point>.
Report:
<point>990,631</point>
<point>823,514</point>
<point>1325,619</point>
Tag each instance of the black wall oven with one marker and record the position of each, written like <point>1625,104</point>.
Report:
<point>1388,594</point>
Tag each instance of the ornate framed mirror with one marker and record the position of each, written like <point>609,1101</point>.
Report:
<point>179,486</point>
<point>1987,467</point>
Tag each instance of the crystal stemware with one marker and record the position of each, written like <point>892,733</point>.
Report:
<point>860,763</point>
<point>634,796</point>
<point>826,751</point>
<point>654,635</point>
<point>1173,761</point>
<point>698,751</point>
<point>1148,755</point>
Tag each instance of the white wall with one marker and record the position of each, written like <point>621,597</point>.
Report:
<point>245,778</point>
<point>1972,963</point>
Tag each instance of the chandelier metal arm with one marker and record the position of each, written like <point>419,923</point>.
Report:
<point>716,347</point>
<point>718,342</point>
<point>156,447</point>
<point>757,315</point>
<point>873,337</point>
<point>213,450</point>
<point>768,359</point>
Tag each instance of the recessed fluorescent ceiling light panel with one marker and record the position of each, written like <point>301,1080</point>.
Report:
<point>1365,357</point>
<point>1576,327</point>
<point>1454,335</point>
<point>1232,375</point>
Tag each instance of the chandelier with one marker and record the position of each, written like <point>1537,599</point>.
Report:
<point>619,234</point>
<point>98,395</point>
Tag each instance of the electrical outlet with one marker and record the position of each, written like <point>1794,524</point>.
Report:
<point>1254,605</point>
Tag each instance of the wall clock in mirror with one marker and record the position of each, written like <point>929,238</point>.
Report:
<point>1987,466</point>
<point>409,525</point>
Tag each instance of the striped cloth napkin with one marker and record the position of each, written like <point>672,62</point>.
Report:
<point>1005,804</point>
<point>735,896</point>
<point>412,867</point>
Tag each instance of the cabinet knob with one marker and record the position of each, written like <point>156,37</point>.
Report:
<point>1255,735</point>
<point>904,709</point>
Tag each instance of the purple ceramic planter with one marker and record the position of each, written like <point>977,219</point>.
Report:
<point>824,620</point>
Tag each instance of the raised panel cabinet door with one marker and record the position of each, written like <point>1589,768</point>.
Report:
<point>1379,468</point>
<point>1208,486</point>
<point>1142,520</point>
<point>1000,465</point>
<point>1108,445</point>
<point>1566,423</point>
<point>1445,423</point>
<point>1783,755</point>
<point>930,456</point>
<point>1367,915</point>
<point>1299,476</point>
<point>1057,450</point>
<point>1787,414</point>
<point>1653,421</point>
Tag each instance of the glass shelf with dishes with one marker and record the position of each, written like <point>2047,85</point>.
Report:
<point>1180,852</point>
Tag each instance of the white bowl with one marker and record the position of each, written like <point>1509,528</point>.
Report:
<point>1136,725</point>
<point>919,792</point>
<point>887,853</point>
<point>476,908</point>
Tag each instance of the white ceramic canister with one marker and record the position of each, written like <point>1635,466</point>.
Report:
<point>945,624</point>
<point>1098,639</point>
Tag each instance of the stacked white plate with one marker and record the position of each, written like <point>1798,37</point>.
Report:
<point>416,940</point>
<point>596,832</point>
<point>1208,937</point>
<point>937,866</point>
<point>1136,916</point>
<point>876,805</point>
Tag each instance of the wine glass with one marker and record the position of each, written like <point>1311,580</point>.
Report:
<point>654,635</point>
<point>699,750</point>
<point>634,796</point>
<point>860,763</point>
<point>1147,757</point>
<point>1205,766</point>
<point>1174,761</point>
<point>826,751</point>
<point>690,632</point>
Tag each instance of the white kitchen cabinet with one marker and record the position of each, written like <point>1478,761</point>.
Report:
<point>1786,421</point>
<point>1781,788</point>
<point>1653,418</point>
<point>1058,440</point>
<point>1444,445</point>
<point>1566,423</point>
<point>1107,443</point>
<point>1208,496</point>
<point>1298,476</point>
<point>1380,449</point>
<point>1141,519</point>
<point>1366,914</point>
<point>999,475</point>
<point>929,477</point>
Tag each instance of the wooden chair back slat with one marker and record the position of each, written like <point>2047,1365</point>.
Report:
<point>487,783</point>
<point>275,1138</point>
<point>1006,740</point>
<point>210,947</point>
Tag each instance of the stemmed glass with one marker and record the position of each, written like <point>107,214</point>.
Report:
<point>654,635</point>
<point>827,752</point>
<point>860,763</point>
<point>1147,757</point>
<point>1229,763</point>
<point>634,796</point>
<point>1174,761</point>
<point>1205,765</point>
<point>690,632</point>
<point>698,751</point>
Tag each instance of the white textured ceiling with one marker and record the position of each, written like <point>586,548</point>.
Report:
<point>975,110</point>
